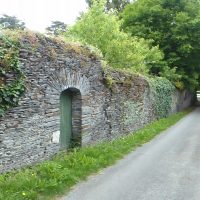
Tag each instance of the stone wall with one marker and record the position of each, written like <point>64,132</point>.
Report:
<point>29,133</point>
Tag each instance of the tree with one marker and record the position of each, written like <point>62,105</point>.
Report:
<point>112,4</point>
<point>11,22</point>
<point>102,30</point>
<point>174,25</point>
<point>56,28</point>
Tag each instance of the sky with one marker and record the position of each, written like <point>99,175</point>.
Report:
<point>38,14</point>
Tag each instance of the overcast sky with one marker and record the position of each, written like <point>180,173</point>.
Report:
<point>38,14</point>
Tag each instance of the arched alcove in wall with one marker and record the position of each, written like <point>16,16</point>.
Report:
<point>70,118</point>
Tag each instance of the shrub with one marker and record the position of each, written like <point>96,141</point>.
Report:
<point>102,30</point>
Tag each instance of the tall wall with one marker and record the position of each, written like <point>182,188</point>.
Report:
<point>108,105</point>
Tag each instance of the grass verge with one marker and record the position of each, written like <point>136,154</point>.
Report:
<point>50,178</point>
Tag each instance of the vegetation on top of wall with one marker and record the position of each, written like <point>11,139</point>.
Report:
<point>112,77</point>
<point>86,50</point>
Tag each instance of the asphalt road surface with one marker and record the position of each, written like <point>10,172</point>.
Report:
<point>167,168</point>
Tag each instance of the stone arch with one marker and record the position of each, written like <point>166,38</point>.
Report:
<point>64,82</point>
<point>64,78</point>
<point>70,118</point>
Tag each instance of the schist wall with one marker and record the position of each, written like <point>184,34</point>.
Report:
<point>70,100</point>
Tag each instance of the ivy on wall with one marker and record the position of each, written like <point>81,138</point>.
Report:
<point>11,77</point>
<point>161,95</point>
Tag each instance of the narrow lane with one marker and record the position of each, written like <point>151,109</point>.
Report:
<point>167,168</point>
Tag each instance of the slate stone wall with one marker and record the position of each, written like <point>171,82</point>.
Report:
<point>29,133</point>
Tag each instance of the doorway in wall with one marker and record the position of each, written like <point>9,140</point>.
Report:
<point>70,118</point>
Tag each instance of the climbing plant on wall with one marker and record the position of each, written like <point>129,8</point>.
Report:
<point>11,76</point>
<point>162,91</point>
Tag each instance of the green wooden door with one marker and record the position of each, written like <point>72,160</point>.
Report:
<point>65,118</point>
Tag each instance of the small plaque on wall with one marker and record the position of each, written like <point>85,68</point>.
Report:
<point>56,137</point>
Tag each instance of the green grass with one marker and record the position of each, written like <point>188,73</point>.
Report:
<point>50,178</point>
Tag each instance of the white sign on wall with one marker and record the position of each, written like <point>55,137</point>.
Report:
<point>56,137</point>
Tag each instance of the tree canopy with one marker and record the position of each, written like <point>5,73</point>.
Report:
<point>112,4</point>
<point>56,28</point>
<point>174,25</point>
<point>11,22</point>
<point>102,30</point>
